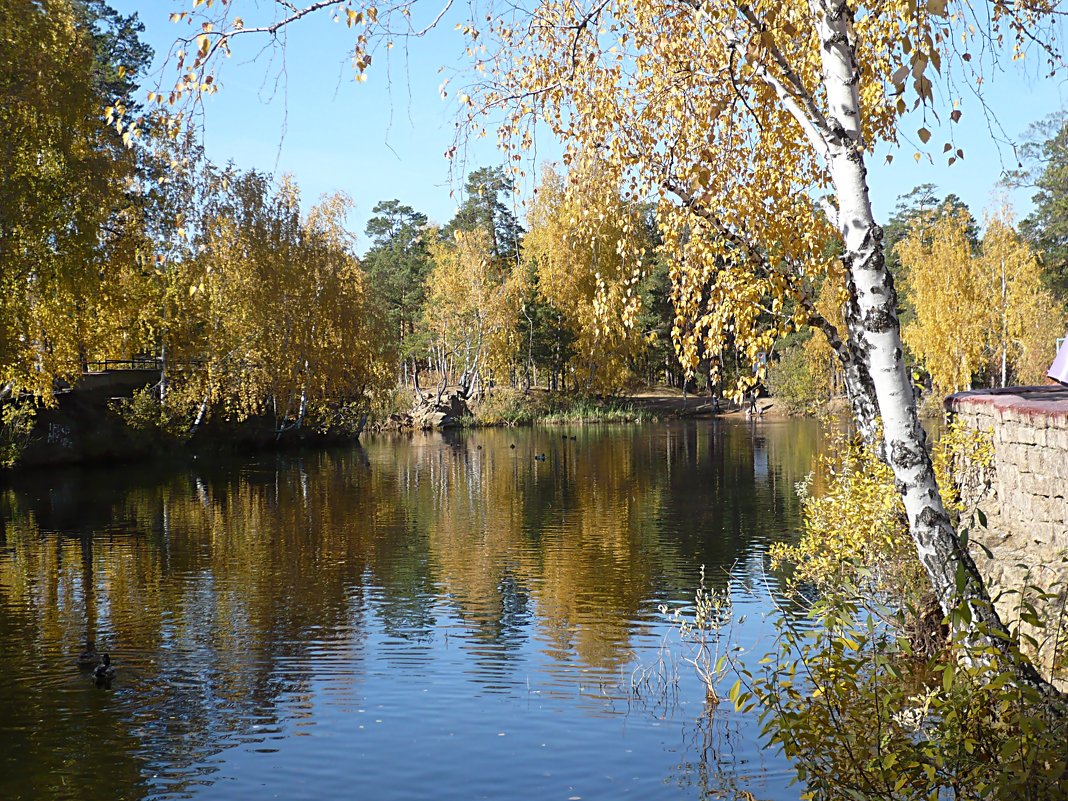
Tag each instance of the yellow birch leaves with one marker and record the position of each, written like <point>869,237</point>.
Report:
<point>588,247</point>
<point>976,314</point>
<point>279,316</point>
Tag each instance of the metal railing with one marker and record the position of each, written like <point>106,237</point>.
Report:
<point>138,363</point>
<point>135,363</point>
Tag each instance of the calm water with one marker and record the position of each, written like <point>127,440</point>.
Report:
<point>421,618</point>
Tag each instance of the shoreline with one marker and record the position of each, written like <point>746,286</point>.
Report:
<point>86,433</point>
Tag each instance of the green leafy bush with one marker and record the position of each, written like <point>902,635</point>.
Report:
<point>16,426</point>
<point>862,719</point>
<point>144,413</point>
<point>868,696</point>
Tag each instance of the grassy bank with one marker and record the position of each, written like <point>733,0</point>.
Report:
<point>513,407</point>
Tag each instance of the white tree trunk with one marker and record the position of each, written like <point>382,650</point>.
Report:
<point>201,412</point>
<point>874,330</point>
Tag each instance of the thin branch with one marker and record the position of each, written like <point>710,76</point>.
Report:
<point>800,92</point>
<point>579,28</point>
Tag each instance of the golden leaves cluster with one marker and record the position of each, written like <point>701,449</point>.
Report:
<point>589,248</point>
<point>65,218</point>
<point>278,314</point>
<point>472,303</point>
<point>985,312</point>
<point>720,108</point>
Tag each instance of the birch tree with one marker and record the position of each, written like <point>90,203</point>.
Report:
<point>471,310</point>
<point>277,317</point>
<point>983,316</point>
<point>588,246</point>
<point>948,290</point>
<point>754,122</point>
<point>1026,317</point>
<point>67,220</point>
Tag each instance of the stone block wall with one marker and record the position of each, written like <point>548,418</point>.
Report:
<point>1024,494</point>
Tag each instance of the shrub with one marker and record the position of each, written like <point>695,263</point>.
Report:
<point>144,413</point>
<point>792,381</point>
<point>862,711</point>
<point>16,426</point>
<point>855,531</point>
<point>861,719</point>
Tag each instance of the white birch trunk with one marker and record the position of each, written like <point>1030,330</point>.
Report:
<point>200,414</point>
<point>1004,327</point>
<point>874,327</point>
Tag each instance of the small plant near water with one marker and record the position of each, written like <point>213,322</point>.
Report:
<point>868,696</point>
<point>704,629</point>
<point>657,682</point>
<point>862,718</point>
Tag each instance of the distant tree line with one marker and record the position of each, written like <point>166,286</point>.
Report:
<point>980,306</point>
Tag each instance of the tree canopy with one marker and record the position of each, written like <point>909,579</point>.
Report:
<point>1046,228</point>
<point>66,208</point>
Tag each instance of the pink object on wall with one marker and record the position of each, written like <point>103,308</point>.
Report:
<point>1058,371</point>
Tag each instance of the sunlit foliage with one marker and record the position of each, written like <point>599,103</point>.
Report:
<point>472,304</point>
<point>1025,318</point>
<point>946,288</point>
<point>855,526</point>
<point>862,718</point>
<point>276,315</point>
<point>855,532</point>
<point>976,313</point>
<point>66,216</point>
<point>588,247</point>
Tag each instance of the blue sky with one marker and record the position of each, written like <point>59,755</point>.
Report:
<point>386,138</point>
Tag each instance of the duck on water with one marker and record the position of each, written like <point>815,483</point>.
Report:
<point>104,672</point>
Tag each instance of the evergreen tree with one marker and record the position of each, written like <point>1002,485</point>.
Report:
<point>1046,228</point>
<point>398,264</point>
<point>484,208</point>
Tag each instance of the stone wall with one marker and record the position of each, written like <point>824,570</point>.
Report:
<point>1024,495</point>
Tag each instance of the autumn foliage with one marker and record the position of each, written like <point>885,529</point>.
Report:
<point>978,315</point>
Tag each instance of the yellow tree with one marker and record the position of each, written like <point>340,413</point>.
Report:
<point>1026,319</point>
<point>987,314</point>
<point>471,309</point>
<point>277,315</point>
<point>950,293</point>
<point>754,121</point>
<point>588,247</point>
<point>64,211</point>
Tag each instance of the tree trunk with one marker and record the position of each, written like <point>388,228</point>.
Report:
<point>874,330</point>
<point>1004,327</point>
<point>200,415</point>
<point>163,373</point>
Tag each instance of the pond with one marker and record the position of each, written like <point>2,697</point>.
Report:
<point>426,616</point>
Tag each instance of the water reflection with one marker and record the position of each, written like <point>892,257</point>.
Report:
<point>396,601</point>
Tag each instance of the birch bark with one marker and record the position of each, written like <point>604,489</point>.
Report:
<point>873,325</point>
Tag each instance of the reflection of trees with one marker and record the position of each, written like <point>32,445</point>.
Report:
<point>590,533</point>
<point>224,591</point>
<point>571,535</point>
<point>214,592</point>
